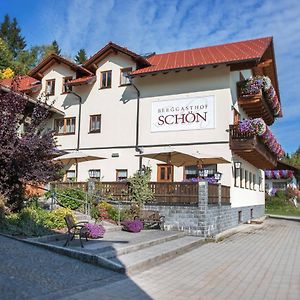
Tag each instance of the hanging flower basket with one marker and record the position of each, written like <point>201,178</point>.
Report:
<point>95,231</point>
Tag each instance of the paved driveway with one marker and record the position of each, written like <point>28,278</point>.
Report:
<point>263,264</point>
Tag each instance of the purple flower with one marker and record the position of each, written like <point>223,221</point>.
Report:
<point>133,225</point>
<point>95,230</point>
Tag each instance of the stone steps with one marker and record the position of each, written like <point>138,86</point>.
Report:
<point>150,256</point>
<point>140,246</point>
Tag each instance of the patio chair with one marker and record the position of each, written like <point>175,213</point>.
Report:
<point>75,229</point>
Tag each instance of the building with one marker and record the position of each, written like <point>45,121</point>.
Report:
<point>119,104</point>
<point>284,176</point>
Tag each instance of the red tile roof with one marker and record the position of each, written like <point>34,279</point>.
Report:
<point>244,51</point>
<point>81,80</point>
<point>23,83</point>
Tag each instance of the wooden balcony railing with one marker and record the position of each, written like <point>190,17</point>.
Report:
<point>164,193</point>
<point>251,148</point>
<point>255,106</point>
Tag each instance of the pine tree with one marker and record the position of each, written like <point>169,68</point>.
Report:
<point>80,57</point>
<point>10,33</point>
<point>55,47</point>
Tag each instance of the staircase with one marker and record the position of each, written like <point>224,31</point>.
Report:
<point>151,249</point>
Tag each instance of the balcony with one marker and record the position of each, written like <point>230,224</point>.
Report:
<point>251,148</point>
<point>258,99</point>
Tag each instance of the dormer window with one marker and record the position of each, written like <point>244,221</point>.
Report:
<point>124,80</point>
<point>66,89</point>
<point>50,87</point>
<point>105,80</point>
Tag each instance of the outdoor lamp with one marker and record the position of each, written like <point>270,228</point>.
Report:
<point>91,173</point>
<point>237,164</point>
<point>203,173</point>
<point>218,176</point>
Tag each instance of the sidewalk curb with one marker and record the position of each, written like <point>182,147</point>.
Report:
<point>281,217</point>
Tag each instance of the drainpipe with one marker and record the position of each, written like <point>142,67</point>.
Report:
<point>79,126</point>
<point>137,148</point>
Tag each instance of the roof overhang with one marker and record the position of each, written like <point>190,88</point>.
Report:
<point>37,72</point>
<point>110,48</point>
<point>31,100</point>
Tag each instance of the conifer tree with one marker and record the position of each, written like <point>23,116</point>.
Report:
<point>80,57</point>
<point>55,47</point>
<point>10,33</point>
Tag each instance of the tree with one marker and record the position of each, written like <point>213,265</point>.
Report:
<point>24,157</point>
<point>293,159</point>
<point>140,191</point>
<point>10,33</point>
<point>6,73</point>
<point>6,58</point>
<point>55,47</point>
<point>80,57</point>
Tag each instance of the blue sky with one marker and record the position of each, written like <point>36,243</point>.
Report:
<point>167,25</point>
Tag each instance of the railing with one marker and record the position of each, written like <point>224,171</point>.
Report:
<point>225,194</point>
<point>174,192</point>
<point>164,193</point>
<point>237,135</point>
<point>213,194</point>
<point>114,189</point>
<point>69,184</point>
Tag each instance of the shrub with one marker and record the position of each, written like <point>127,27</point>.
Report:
<point>55,219</point>
<point>140,191</point>
<point>68,197</point>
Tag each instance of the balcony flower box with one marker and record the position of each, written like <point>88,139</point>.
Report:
<point>261,85</point>
<point>257,127</point>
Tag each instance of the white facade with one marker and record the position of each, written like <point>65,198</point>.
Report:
<point>118,109</point>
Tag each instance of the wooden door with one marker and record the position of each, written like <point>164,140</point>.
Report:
<point>165,173</point>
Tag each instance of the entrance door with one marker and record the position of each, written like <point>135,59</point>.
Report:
<point>165,173</point>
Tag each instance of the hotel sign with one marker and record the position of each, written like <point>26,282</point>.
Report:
<point>183,114</point>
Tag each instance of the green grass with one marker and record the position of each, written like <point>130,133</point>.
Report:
<point>278,205</point>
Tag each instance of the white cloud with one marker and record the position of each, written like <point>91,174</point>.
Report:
<point>157,25</point>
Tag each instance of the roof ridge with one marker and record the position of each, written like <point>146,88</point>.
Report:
<point>212,46</point>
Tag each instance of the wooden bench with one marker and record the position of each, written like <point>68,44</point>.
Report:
<point>151,219</point>
<point>75,229</point>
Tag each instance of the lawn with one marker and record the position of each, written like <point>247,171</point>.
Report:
<point>279,205</point>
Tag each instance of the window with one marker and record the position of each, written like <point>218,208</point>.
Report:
<point>95,174</point>
<point>190,172</point>
<point>123,76</point>
<point>246,180</point>
<point>95,124</point>
<point>66,89</point>
<point>250,181</point>
<point>251,213</point>
<point>240,216</point>
<point>50,87</point>
<point>65,126</point>
<point>236,176</point>
<point>121,174</point>
<point>260,184</point>
<point>70,175</point>
<point>241,178</point>
<point>280,185</point>
<point>254,182</point>
<point>105,80</point>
